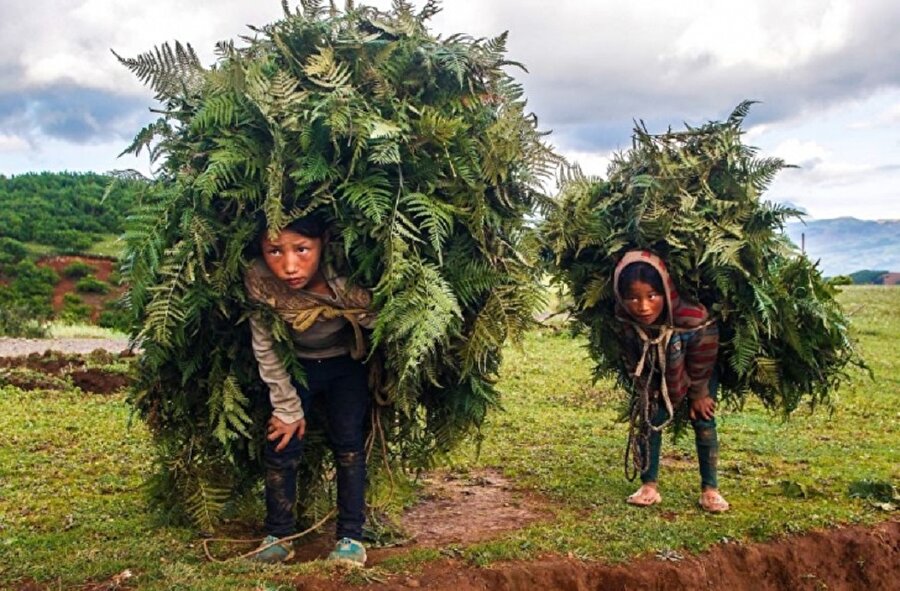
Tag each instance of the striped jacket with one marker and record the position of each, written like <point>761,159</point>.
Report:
<point>691,352</point>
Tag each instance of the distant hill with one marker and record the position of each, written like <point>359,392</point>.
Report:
<point>65,210</point>
<point>845,245</point>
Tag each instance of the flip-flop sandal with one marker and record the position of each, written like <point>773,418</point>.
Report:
<point>636,500</point>
<point>714,503</point>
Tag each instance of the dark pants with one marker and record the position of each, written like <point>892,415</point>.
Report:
<point>705,438</point>
<point>341,384</point>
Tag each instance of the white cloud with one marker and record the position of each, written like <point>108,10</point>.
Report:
<point>13,143</point>
<point>775,35</point>
<point>591,163</point>
<point>806,154</point>
<point>593,68</point>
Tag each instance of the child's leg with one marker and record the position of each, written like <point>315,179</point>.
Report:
<point>707,442</point>
<point>651,474</point>
<point>281,487</point>
<point>347,407</point>
<point>281,478</point>
<point>648,494</point>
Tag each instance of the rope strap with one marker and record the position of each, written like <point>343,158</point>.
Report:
<point>642,406</point>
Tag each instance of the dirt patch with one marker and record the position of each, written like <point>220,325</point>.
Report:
<point>852,558</point>
<point>98,381</point>
<point>451,504</point>
<point>53,370</point>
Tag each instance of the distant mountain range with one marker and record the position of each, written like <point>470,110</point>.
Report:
<point>846,245</point>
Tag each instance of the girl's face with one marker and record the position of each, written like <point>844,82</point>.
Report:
<point>643,302</point>
<point>294,258</point>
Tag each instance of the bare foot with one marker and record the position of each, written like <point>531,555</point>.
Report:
<point>712,502</point>
<point>645,496</point>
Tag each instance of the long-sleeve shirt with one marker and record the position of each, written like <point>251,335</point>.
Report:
<point>330,328</point>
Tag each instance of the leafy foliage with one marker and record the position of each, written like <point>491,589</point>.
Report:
<point>77,270</point>
<point>693,197</point>
<point>419,152</point>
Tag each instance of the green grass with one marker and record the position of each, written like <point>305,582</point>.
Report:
<point>37,250</point>
<point>71,510</point>
<point>109,246</point>
<point>60,330</point>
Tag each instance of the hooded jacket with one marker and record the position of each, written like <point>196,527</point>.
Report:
<point>691,351</point>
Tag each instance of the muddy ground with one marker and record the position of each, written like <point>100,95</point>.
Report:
<point>53,370</point>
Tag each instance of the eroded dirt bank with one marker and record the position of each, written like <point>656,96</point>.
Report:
<point>851,558</point>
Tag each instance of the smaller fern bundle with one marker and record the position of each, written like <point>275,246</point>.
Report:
<point>693,197</point>
<point>420,154</point>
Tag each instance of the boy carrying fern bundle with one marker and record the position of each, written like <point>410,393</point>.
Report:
<point>325,317</point>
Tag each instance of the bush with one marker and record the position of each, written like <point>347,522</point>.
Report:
<point>77,270</point>
<point>11,251</point>
<point>15,322</point>
<point>67,241</point>
<point>31,289</point>
<point>74,310</point>
<point>115,316</point>
<point>91,285</point>
<point>18,317</point>
<point>839,280</point>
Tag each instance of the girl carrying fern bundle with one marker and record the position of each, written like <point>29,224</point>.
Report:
<point>670,347</point>
<point>325,318</point>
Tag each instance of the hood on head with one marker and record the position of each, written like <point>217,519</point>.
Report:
<point>645,256</point>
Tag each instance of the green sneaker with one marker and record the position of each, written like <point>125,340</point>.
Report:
<point>275,553</point>
<point>349,551</point>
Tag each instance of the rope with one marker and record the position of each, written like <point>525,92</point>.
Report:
<point>304,318</point>
<point>642,405</point>
<point>212,558</point>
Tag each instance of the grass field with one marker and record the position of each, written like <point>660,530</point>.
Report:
<point>71,509</point>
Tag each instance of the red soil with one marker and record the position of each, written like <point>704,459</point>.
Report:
<point>103,267</point>
<point>852,558</point>
<point>44,371</point>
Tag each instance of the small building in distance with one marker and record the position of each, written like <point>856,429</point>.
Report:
<point>890,279</point>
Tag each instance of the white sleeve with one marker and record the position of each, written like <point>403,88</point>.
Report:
<point>285,400</point>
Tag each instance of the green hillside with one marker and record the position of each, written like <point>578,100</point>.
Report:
<point>66,212</point>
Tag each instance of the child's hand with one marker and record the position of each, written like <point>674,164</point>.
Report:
<point>277,428</point>
<point>703,408</point>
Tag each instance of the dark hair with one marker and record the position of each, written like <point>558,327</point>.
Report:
<point>311,226</point>
<point>639,271</point>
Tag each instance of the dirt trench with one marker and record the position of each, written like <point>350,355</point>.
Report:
<point>850,558</point>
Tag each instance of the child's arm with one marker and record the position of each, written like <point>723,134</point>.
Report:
<point>287,414</point>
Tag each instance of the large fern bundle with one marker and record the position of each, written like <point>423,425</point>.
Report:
<point>417,149</point>
<point>693,197</point>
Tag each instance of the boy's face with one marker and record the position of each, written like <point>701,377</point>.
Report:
<point>293,258</point>
<point>643,302</point>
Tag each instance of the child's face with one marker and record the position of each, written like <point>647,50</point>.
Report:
<point>293,258</point>
<point>644,303</point>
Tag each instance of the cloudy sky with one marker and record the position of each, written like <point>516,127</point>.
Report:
<point>827,73</point>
